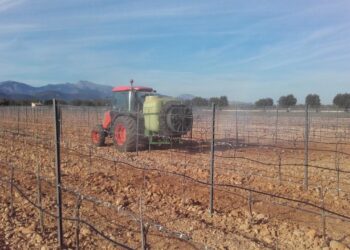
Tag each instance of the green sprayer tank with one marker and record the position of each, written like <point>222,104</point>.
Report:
<point>151,111</point>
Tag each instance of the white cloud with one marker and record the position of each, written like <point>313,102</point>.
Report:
<point>9,4</point>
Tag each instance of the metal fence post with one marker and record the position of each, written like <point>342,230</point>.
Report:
<point>26,118</point>
<point>191,133</point>
<point>17,120</point>
<point>58,174</point>
<point>88,116</point>
<point>11,191</point>
<point>323,220</point>
<point>212,156</point>
<point>276,126</point>
<point>97,117</point>
<point>337,168</point>
<point>280,168</point>
<point>137,128</point>
<point>90,160</point>
<point>306,148</point>
<point>236,126</point>
<point>323,212</point>
<point>336,158</point>
<point>77,222</point>
<point>250,203</point>
<point>142,228</point>
<point>39,200</point>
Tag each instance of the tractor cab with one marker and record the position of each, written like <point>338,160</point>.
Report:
<point>128,99</point>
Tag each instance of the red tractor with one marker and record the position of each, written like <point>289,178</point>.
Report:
<point>140,115</point>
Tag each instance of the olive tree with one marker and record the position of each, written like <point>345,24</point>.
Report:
<point>342,101</point>
<point>313,101</point>
<point>287,101</point>
<point>264,102</point>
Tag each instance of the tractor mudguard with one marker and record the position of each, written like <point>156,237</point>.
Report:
<point>107,120</point>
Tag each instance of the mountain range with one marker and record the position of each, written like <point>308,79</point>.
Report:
<point>83,90</point>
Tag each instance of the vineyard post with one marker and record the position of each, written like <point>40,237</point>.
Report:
<point>11,191</point>
<point>137,128</point>
<point>212,152</point>
<point>26,117</point>
<point>171,151</point>
<point>236,125</point>
<point>77,222</point>
<point>336,155</point>
<point>323,212</point>
<point>149,144</point>
<point>39,200</point>
<point>306,148</point>
<point>279,168</point>
<point>143,229</point>
<point>277,239</point>
<point>90,160</point>
<point>336,162</point>
<point>143,235</point>
<point>33,120</point>
<point>338,180</point>
<point>17,120</point>
<point>250,203</point>
<point>276,126</point>
<point>88,116</point>
<point>191,132</point>
<point>96,115</point>
<point>58,174</point>
<point>184,183</point>
<point>323,220</point>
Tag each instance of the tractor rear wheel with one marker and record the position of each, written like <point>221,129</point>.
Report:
<point>124,133</point>
<point>98,136</point>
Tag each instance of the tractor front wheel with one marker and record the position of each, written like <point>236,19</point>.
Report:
<point>124,133</point>
<point>98,136</point>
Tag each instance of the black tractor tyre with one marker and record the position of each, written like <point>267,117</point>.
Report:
<point>174,123</point>
<point>124,133</point>
<point>98,136</point>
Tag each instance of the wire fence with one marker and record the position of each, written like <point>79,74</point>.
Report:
<point>248,157</point>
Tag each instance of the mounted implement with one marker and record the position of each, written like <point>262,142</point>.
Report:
<point>140,115</point>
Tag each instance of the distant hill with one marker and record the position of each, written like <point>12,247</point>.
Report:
<point>83,90</point>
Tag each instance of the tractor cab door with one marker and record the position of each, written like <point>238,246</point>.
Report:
<point>139,99</point>
<point>121,101</point>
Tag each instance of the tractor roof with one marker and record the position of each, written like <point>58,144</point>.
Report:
<point>128,88</point>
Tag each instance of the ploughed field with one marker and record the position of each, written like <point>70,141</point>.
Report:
<point>259,172</point>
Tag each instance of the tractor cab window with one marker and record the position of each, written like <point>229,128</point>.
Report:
<point>121,101</point>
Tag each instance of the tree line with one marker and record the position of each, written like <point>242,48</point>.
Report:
<point>221,101</point>
<point>341,100</point>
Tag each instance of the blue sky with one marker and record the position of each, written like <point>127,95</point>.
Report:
<point>243,49</point>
